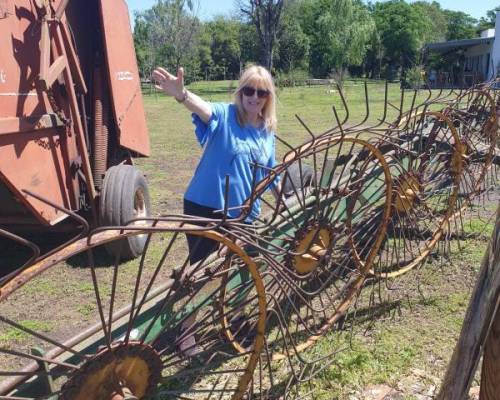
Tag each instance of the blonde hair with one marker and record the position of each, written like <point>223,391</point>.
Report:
<point>261,78</point>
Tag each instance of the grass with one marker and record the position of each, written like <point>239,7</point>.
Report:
<point>17,335</point>
<point>422,328</point>
<point>175,152</point>
<point>411,341</point>
<point>413,325</point>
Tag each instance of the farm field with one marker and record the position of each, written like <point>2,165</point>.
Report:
<point>406,339</point>
<point>402,333</point>
<point>175,151</point>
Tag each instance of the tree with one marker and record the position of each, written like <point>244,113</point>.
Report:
<point>251,49</point>
<point>170,30</point>
<point>488,21</point>
<point>265,16</point>
<point>204,51</point>
<point>401,28</point>
<point>339,31</point>
<point>460,25</point>
<point>434,20</point>
<point>292,42</point>
<point>144,53</point>
<point>225,45</point>
<point>374,55</point>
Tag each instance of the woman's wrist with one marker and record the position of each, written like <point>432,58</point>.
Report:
<point>183,97</point>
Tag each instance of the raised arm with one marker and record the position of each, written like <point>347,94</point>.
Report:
<point>174,86</point>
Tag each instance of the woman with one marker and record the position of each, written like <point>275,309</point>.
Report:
<point>238,140</point>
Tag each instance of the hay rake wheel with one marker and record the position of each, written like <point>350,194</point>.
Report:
<point>313,247</point>
<point>235,326</point>
<point>164,332</point>
<point>475,116</point>
<point>426,159</point>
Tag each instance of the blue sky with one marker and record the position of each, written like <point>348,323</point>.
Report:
<point>209,8</point>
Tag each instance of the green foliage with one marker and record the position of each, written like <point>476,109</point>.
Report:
<point>339,32</point>
<point>433,19</point>
<point>460,25</point>
<point>294,77</point>
<point>325,37</point>
<point>488,21</point>
<point>225,47</point>
<point>251,48</point>
<point>265,15</point>
<point>401,29</point>
<point>415,76</point>
<point>293,43</point>
<point>167,35</point>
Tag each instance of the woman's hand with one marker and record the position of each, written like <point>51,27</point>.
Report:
<point>170,84</point>
<point>174,86</point>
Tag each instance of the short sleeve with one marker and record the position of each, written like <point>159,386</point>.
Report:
<point>204,131</point>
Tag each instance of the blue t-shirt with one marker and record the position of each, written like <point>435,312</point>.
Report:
<point>229,149</point>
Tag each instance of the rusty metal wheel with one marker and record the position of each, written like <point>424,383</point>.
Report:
<point>315,247</point>
<point>474,115</point>
<point>157,320</point>
<point>426,160</point>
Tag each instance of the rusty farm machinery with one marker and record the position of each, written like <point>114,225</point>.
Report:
<point>359,202</point>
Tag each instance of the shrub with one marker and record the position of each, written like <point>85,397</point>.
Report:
<point>415,77</point>
<point>296,77</point>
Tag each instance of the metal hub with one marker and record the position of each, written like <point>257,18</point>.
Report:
<point>129,371</point>
<point>407,191</point>
<point>310,245</point>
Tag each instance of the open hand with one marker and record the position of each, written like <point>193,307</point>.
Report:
<point>168,83</point>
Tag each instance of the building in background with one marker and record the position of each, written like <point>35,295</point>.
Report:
<point>463,63</point>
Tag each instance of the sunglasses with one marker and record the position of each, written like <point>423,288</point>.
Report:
<point>250,91</point>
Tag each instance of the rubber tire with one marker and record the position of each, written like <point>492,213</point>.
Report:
<point>116,207</point>
<point>295,180</point>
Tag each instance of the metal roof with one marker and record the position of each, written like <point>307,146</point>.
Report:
<point>442,47</point>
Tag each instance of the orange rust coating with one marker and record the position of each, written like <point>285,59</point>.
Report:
<point>459,150</point>
<point>357,280</point>
<point>124,81</point>
<point>110,234</point>
<point>36,153</point>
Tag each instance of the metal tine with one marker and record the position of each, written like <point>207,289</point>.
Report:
<point>306,127</point>
<point>284,142</point>
<point>401,105</point>
<point>24,242</point>
<point>428,88</point>
<point>64,210</point>
<point>367,109</point>
<point>335,113</point>
<point>346,107</point>
<point>410,111</point>
<point>384,116</point>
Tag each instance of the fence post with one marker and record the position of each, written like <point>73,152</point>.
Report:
<point>478,323</point>
<point>490,374</point>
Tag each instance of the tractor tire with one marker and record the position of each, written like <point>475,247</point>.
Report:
<point>124,197</point>
<point>297,177</point>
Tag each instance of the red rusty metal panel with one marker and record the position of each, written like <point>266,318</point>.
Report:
<point>38,162</point>
<point>19,61</point>
<point>37,159</point>
<point>124,77</point>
